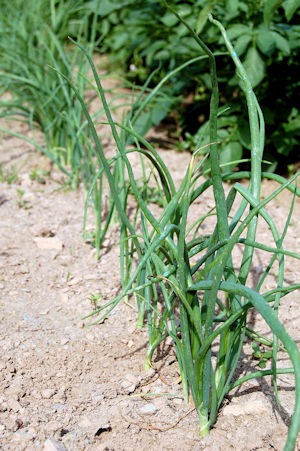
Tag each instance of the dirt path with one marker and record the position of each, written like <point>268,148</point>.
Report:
<point>65,385</point>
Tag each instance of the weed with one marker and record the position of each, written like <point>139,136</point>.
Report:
<point>94,299</point>
<point>21,202</point>
<point>9,175</point>
<point>39,175</point>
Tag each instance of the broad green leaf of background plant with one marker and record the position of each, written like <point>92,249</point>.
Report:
<point>265,40</point>
<point>184,10</point>
<point>290,7</point>
<point>254,66</point>
<point>237,30</point>
<point>169,19</point>
<point>281,43</point>
<point>232,9</point>
<point>241,35</point>
<point>270,7</point>
<point>231,152</point>
<point>242,43</point>
<point>244,133</point>
<point>203,17</point>
<point>106,6</point>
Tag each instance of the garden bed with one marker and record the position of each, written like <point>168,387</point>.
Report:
<point>64,382</point>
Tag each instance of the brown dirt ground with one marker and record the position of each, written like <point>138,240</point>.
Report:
<point>64,383</point>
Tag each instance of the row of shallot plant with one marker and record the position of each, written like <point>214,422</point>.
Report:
<point>36,59</point>
<point>187,285</point>
<point>37,64</point>
<point>38,67</point>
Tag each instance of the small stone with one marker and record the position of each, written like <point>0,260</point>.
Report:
<point>58,407</point>
<point>52,427</point>
<point>65,260</point>
<point>92,276</point>
<point>95,424</point>
<point>52,445</point>
<point>132,379</point>
<point>148,409</point>
<point>149,374</point>
<point>129,384</point>
<point>64,298</point>
<point>14,405</point>
<point>48,243</point>
<point>3,406</point>
<point>178,401</point>
<point>106,242</point>
<point>257,405</point>
<point>44,312</point>
<point>47,393</point>
<point>74,281</point>
<point>98,398</point>
<point>22,435</point>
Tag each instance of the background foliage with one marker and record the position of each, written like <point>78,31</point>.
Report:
<point>147,42</point>
<point>143,36</point>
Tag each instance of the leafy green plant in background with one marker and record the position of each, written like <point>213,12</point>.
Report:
<point>142,36</point>
<point>186,284</point>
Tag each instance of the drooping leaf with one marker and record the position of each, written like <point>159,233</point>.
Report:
<point>106,7</point>
<point>184,10</point>
<point>232,9</point>
<point>238,30</point>
<point>270,7</point>
<point>242,43</point>
<point>265,40</point>
<point>152,49</point>
<point>169,19</point>
<point>290,7</point>
<point>255,66</point>
<point>203,17</point>
<point>281,43</point>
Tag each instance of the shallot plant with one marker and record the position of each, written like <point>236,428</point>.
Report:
<point>187,284</point>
